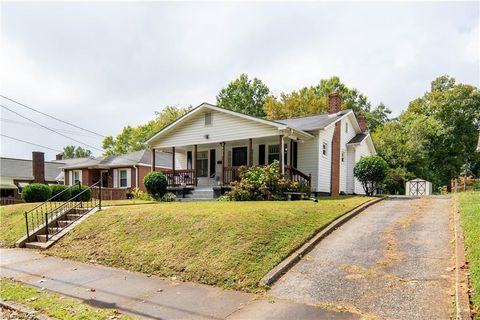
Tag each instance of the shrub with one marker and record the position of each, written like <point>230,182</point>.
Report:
<point>140,195</point>
<point>371,171</point>
<point>36,192</point>
<point>58,188</point>
<point>169,197</point>
<point>223,198</point>
<point>78,189</point>
<point>261,183</point>
<point>156,184</point>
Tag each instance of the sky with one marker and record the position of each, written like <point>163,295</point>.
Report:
<point>105,65</point>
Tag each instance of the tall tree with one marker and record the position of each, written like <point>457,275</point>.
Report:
<point>314,100</point>
<point>244,95</point>
<point>134,138</point>
<point>71,152</point>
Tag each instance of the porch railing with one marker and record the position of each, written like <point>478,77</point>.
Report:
<point>231,174</point>
<point>179,177</point>
<point>110,193</point>
<point>297,175</point>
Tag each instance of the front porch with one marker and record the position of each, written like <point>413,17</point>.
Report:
<point>217,165</point>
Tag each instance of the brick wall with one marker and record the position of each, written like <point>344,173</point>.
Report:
<point>335,169</point>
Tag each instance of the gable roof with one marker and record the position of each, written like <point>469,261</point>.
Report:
<point>142,157</point>
<point>316,122</point>
<point>358,138</point>
<point>277,124</point>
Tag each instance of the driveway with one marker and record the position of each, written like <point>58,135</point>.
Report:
<point>391,261</point>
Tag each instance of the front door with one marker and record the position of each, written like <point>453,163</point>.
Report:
<point>105,178</point>
<point>202,164</point>
<point>239,156</point>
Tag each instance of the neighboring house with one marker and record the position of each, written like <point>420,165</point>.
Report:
<point>17,173</point>
<point>118,172</point>
<point>209,144</point>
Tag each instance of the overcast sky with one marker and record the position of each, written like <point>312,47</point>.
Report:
<point>106,65</point>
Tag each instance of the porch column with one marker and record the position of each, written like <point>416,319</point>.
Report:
<point>223,163</point>
<point>281,152</point>
<point>153,160</point>
<point>290,149</point>
<point>194,163</point>
<point>250,152</point>
<point>173,166</point>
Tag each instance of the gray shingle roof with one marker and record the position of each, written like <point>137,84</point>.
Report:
<point>22,169</point>
<point>314,122</point>
<point>162,159</point>
<point>358,138</point>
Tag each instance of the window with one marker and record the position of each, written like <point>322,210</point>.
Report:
<point>343,156</point>
<point>77,176</point>
<point>274,153</point>
<point>202,163</point>
<point>261,155</point>
<point>324,148</point>
<point>123,178</point>
<point>208,119</point>
<point>346,127</point>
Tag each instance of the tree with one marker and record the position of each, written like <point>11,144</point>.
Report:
<point>134,138</point>
<point>244,95</point>
<point>370,171</point>
<point>71,152</point>
<point>314,100</point>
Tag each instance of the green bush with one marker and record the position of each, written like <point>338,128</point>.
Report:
<point>169,197</point>
<point>371,171</point>
<point>58,188</point>
<point>36,192</point>
<point>261,183</point>
<point>79,189</point>
<point>156,184</point>
<point>140,195</point>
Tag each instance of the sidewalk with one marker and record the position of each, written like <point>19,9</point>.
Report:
<point>147,297</point>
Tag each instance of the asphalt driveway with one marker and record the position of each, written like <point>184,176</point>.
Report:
<point>392,261</point>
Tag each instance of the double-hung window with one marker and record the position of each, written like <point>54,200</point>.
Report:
<point>123,178</point>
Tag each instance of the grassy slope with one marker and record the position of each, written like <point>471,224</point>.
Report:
<point>229,244</point>
<point>470,213</point>
<point>12,223</point>
<point>51,304</point>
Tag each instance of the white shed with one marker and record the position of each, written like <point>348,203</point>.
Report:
<point>418,187</point>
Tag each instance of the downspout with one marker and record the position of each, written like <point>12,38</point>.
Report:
<point>136,176</point>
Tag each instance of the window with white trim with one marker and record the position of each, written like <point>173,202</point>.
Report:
<point>346,127</point>
<point>123,178</point>
<point>274,153</point>
<point>324,148</point>
<point>77,176</point>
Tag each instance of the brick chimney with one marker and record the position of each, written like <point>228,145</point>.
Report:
<point>362,123</point>
<point>38,166</point>
<point>334,102</point>
<point>59,156</point>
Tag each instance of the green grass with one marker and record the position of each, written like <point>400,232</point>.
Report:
<point>12,223</point>
<point>51,304</point>
<point>470,216</point>
<point>110,203</point>
<point>228,244</point>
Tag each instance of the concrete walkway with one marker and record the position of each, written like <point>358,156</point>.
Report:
<point>392,261</point>
<point>149,297</point>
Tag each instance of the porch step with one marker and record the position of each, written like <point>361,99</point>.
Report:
<point>63,223</point>
<point>73,216</point>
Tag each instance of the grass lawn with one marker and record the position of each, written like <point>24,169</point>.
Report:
<point>470,215</point>
<point>228,244</point>
<point>109,203</point>
<point>51,304</point>
<point>12,223</point>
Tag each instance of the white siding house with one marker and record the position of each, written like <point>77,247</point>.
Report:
<point>210,143</point>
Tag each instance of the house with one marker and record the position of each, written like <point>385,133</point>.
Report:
<point>209,144</point>
<point>17,173</point>
<point>118,172</point>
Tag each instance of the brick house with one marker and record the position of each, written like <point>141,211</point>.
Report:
<point>119,174</point>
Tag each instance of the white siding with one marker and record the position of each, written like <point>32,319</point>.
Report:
<point>307,160</point>
<point>350,165</point>
<point>324,162</point>
<point>224,127</point>
<point>344,139</point>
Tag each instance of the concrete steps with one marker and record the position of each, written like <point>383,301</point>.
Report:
<point>198,195</point>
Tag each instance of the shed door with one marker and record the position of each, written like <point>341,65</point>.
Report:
<point>418,187</point>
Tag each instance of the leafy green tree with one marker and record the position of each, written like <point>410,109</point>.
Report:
<point>314,100</point>
<point>134,138</point>
<point>244,95</point>
<point>370,171</point>
<point>71,152</point>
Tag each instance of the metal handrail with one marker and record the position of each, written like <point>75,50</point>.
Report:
<point>37,223</point>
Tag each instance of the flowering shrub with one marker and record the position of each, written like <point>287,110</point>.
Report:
<point>261,183</point>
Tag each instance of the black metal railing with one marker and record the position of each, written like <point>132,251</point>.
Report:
<point>42,215</point>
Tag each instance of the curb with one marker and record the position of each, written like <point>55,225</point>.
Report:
<point>462,299</point>
<point>274,274</point>
<point>22,309</point>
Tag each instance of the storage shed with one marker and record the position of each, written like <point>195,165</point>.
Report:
<point>418,187</point>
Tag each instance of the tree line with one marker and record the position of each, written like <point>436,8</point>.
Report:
<point>434,138</point>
